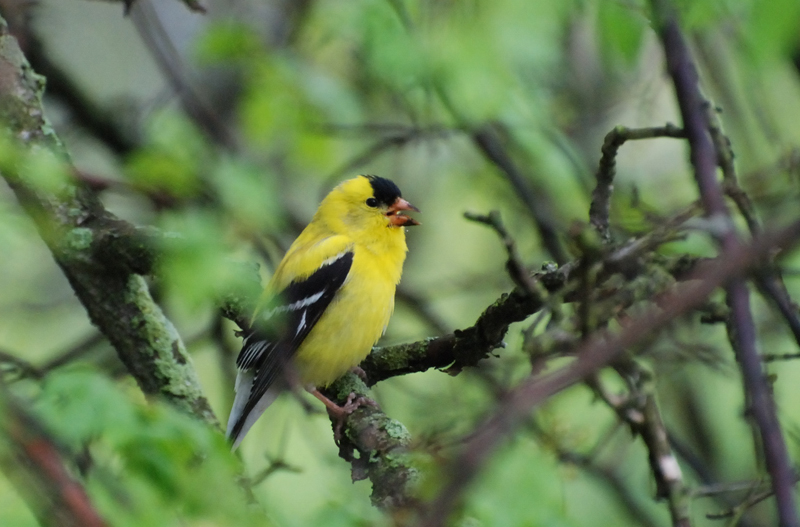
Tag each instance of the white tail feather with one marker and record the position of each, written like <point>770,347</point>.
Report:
<point>244,384</point>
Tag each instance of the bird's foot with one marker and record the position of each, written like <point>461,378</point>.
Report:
<point>339,414</point>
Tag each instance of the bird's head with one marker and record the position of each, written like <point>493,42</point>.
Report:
<point>368,202</point>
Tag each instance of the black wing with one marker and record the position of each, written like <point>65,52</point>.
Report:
<point>283,325</point>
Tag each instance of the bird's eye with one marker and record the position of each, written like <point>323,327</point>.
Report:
<point>372,202</point>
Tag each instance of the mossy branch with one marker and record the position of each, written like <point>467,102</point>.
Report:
<point>382,445</point>
<point>93,248</point>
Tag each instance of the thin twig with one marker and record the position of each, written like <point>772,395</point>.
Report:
<point>73,353</point>
<point>742,334</point>
<point>600,209</point>
<point>705,477</point>
<point>592,355</point>
<point>774,357</point>
<point>422,309</point>
<point>395,137</point>
<point>606,474</point>
<point>158,41</point>
<point>770,284</point>
<point>10,363</point>
<point>650,426</point>
<point>768,279</point>
<point>516,269</point>
<point>491,146</point>
<point>753,499</point>
<point>722,488</point>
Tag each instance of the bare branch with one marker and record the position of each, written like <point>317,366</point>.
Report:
<point>640,411</point>
<point>158,41</point>
<point>753,499</point>
<point>516,269</point>
<point>596,352</point>
<point>768,278</point>
<point>607,474</point>
<point>704,158</point>
<point>600,208</point>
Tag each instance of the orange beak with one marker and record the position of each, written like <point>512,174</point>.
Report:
<point>396,218</point>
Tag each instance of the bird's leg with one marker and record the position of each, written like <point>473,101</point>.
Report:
<point>330,405</point>
<point>339,413</point>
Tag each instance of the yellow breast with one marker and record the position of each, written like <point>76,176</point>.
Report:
<point>354,321</point>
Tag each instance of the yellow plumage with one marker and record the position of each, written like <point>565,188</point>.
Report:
<point>343,269</point>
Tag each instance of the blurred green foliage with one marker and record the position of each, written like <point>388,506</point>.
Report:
<point>318,93</point>
<point>154,465</point>
<point>173,158</point>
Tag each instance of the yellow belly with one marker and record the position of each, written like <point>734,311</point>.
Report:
<point>348,329</point>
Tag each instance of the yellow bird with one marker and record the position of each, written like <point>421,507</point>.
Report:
<point>329,300</point>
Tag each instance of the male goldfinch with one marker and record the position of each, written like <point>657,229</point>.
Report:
<point>329,300</point>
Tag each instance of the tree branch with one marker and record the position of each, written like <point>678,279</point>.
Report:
<point>33,463</point>
<point>382,444</point>
<point>516,269</point>
<point>490,145</point>
<point>73,224</point>
<point>596,352</point>
<point>466,347</point>
<point>600,209</point>
<point>640,411</point>
<point>704,158</point>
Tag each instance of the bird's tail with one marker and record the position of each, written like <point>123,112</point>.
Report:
<point>240,423</point>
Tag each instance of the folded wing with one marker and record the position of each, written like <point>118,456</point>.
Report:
<point>278,330</point>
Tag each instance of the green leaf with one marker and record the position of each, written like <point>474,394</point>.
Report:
<point>151,464</point>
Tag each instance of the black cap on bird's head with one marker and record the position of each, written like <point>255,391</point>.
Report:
<point>386,193</point>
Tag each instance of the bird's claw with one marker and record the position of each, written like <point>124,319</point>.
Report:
<point>339,414</point>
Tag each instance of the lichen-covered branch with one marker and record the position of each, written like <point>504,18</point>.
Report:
<point>466,347</point>
<point>462,348</point>
<point>78,230</point>
<point>382,445</point>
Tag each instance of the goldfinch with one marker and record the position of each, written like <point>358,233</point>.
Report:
<point>329,300</point>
